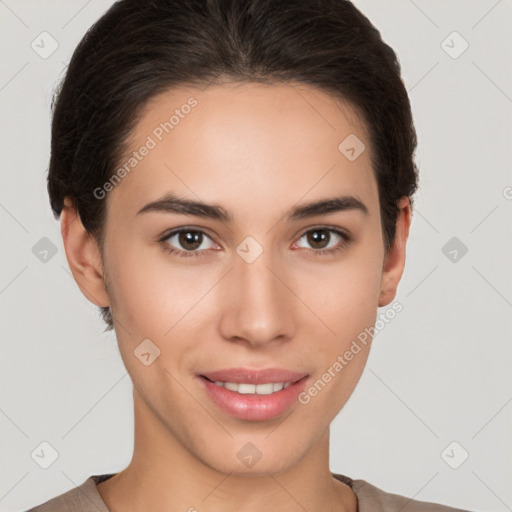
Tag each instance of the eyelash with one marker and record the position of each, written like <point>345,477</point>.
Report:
<point>345,240</point>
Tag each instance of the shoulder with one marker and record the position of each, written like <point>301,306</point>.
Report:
<point>371,499</point>
<point>83,498</point>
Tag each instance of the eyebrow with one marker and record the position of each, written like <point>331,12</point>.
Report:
<point>174,204</point>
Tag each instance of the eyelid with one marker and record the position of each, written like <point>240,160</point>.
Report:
<point>337,229</point>
<point>170,232</point>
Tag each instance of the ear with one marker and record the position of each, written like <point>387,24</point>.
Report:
<point>394,261</point>
<point>83,255</point>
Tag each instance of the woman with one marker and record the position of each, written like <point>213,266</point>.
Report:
<point>235,182</point>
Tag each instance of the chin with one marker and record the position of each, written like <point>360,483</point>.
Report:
<point>248,460</point>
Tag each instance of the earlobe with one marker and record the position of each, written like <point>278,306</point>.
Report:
<point>83,255</point>
<point>394,261</point>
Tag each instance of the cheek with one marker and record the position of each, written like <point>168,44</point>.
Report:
<point>345,294</point>
<point>153,293</point>
<point>142,298</point>
<point>347,304</point>
<point>345,299</point>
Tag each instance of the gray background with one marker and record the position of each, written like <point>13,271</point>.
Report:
<point>438,373</point>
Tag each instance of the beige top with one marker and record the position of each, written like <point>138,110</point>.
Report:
<point>85,498</point>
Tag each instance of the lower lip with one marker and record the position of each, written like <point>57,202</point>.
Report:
<point>253,407</point>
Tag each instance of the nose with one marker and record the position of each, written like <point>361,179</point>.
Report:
<point>257,306</point>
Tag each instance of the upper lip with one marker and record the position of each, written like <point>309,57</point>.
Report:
<point>254,376</point>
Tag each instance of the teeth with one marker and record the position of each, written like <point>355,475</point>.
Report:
<point>251,389</point>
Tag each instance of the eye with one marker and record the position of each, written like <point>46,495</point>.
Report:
<point>190,242</point>
<point>320,238</point>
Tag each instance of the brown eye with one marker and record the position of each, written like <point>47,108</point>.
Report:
<point>318,238</point>
<point>187,241</point>
<point>190,240</point>
<point>322,242</point>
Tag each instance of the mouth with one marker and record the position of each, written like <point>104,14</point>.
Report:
<point>255,395</point>
<point>246,388</point>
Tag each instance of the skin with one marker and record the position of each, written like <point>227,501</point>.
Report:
<point>256,150</point>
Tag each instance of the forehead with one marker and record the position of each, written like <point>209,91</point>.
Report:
<point>241,141</point>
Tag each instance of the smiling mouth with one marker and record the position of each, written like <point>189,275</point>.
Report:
<point>253,394</point>
<point>246,388</point>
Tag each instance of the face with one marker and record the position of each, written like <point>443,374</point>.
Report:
<point>258,282</point>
